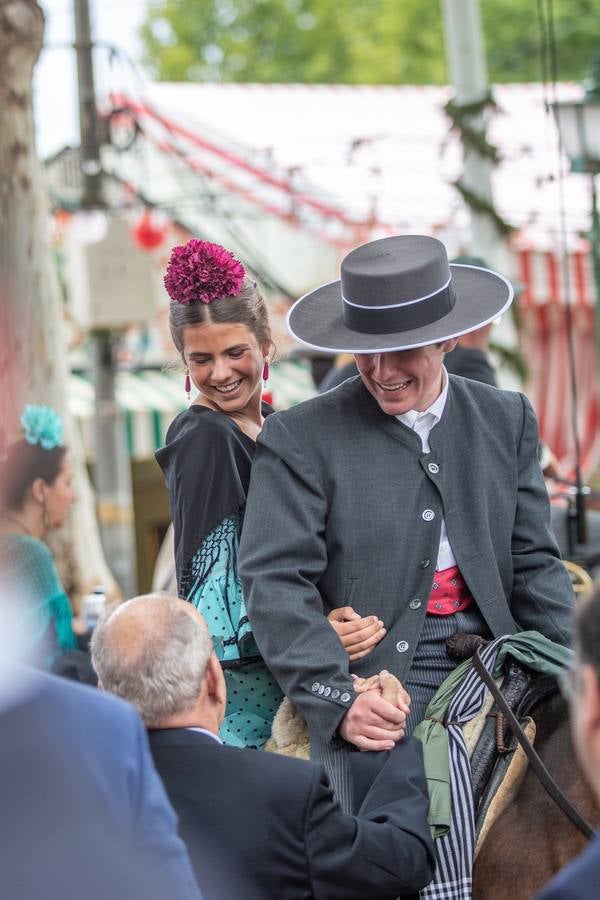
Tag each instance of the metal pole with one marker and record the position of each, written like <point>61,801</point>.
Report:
<point>468,75</point>
<point>112,472</point>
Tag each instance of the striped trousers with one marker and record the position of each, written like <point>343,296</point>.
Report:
<point>430,667</point>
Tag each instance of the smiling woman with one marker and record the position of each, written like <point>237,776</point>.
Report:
<point>225,344</point>
<point>226,363</point>
<point>219,324</point>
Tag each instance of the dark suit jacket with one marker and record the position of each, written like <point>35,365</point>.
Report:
<point>83,814</point>
<point>580,880</point>
<point>270,823</point>
<point>345,508</point>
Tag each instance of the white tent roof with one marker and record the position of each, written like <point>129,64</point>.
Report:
<point>338,156</point>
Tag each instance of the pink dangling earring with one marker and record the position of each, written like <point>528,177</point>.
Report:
<point>188,385</point>
<point>265,373</point>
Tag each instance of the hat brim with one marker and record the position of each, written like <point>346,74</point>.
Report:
<point>481,296</point>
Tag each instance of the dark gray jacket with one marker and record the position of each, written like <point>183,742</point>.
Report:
<point>345,508</point>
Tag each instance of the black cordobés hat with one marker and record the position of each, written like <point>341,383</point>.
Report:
<point>398,293</point>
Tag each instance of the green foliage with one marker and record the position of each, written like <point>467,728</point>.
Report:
<point>513,38</point>
<point>353,41</point>
<point>461,116</point>
<point>480,205</point>
<point>314,41</point>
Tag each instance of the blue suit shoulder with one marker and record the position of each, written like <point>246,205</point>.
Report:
<point>580,879</point>
<point>68,700</point>
<point>84,761</point>
<point>96,726</point>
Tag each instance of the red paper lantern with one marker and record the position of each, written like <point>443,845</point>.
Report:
<point>62,217</point>
<point>149,232</point>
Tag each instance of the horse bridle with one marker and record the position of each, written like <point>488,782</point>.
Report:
<point>533,756</point>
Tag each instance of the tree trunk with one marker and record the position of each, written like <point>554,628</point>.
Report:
<point>33,364</point>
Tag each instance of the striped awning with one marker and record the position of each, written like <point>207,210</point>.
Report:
<point>151,399</point>
<point>550,277</point>
<point>550,281</point>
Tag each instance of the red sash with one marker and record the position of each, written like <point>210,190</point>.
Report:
<point>449,593</point>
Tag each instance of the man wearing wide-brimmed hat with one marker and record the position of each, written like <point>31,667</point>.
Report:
<point>404,493</point>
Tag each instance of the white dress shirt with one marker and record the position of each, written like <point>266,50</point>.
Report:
<point>422,423</point>
<point>211,734</point>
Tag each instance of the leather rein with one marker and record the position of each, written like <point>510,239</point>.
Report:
<point>533,756</point>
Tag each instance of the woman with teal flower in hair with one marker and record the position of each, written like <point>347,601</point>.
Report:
<point>36,493</point>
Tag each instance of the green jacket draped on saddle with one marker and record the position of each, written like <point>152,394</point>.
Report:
<point>529,648</point>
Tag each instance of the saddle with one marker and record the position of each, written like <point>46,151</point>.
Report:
<point>498,763</point>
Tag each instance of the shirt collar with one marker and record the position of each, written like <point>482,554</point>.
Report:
<point>211,734</point>
<point>436,409</point>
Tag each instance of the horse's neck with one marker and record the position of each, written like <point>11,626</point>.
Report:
<point>554,745</point>
<point>533,838</point>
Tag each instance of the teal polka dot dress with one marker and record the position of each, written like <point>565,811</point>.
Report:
<point>253,695</point>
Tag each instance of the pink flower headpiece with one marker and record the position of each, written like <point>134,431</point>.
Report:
<point>202,271</point>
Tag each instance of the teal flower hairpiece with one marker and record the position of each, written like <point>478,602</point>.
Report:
<point>42,425</point>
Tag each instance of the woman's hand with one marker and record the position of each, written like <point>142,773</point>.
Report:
<point>358,635</point>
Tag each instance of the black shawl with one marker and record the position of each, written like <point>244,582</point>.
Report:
<point>206,462</point>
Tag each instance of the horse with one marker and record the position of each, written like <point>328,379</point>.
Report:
<point>533,839</point>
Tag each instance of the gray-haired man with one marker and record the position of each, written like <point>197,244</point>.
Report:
<point>257,825</point>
